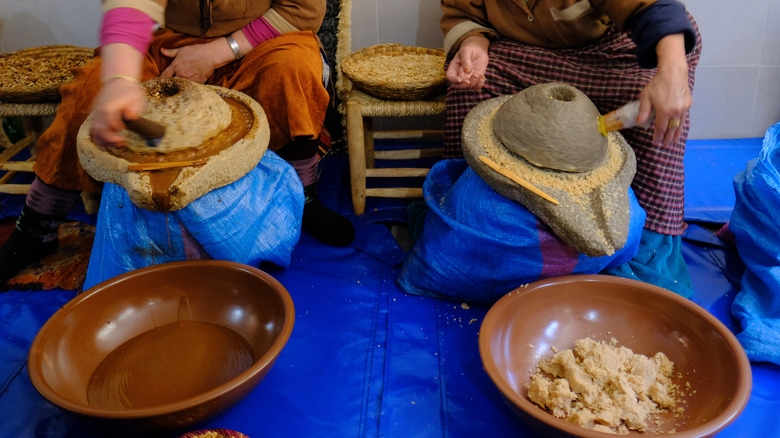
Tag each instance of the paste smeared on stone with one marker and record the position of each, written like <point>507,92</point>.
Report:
<point>604,387</point>
<point>189,112</point>
<point>213,135</point>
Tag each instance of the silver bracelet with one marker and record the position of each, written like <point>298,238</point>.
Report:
<point>234,46</point>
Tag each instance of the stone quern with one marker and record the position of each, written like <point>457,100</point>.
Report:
<point>548,135</point>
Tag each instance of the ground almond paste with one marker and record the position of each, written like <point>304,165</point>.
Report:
<point>604,387</point>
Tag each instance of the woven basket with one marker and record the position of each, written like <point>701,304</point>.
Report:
<point>35,75</point>
<point>369,71</point>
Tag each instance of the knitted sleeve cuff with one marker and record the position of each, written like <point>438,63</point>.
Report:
<point>128,26</point>
<point>258,31</point>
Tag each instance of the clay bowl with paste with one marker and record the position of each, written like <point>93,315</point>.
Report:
<point>524,327</point>
<point>162,348</point>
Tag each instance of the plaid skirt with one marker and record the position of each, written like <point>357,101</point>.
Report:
<point>608,73</point>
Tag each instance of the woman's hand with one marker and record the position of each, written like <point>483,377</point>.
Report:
<point>467,68</point>
<point>119,97</point>
<point>197,62</point>
<point>668,92</point>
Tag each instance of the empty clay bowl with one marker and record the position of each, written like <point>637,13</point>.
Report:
<point>521,328</point>
<point>162,348</point>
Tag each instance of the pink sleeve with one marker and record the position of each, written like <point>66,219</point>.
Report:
<point>129,26</point>
<point>258,31</point>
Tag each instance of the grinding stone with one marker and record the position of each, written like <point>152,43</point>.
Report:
<point>552,125</point>
<point>593,211</point>
<point>192,182</point>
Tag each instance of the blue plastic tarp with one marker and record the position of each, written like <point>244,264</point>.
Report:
<point>365,359</point>
<point>710,167</point>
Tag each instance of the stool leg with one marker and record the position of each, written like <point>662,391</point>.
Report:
<point>368,139</point>
<point>5,142</point>
<point>33,127</point>
<point>357,155</point>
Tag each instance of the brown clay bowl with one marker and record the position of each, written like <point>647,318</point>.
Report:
<point>645,318</point>
<point>162,348</point>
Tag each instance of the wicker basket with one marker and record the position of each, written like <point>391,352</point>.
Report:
<point>35,75</point>
<point>369,71</point>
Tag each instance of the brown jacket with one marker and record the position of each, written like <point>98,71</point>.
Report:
<point>228,16</point>
<point>544,23</point>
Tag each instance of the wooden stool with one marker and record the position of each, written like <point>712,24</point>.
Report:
<point>33,105</point>
<point>361,108</point>
<point>32,115</point>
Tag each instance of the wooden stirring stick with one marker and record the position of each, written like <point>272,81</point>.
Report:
<point>516,178</point>
<point>164,165</point>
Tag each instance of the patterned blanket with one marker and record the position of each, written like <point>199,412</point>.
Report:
<point>65,269</point>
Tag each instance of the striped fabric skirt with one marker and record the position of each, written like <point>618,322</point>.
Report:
<point>608,73</point>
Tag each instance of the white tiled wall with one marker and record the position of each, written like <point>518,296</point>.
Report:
<point>33,23</point>
<point>737,91</point>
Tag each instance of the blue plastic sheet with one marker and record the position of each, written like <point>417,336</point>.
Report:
<point>253,220</point>
<point>477,245</point>
<point>471,406</point>
<point>366,359</point>
<point>710,167</point>
<point>755,224</point>
<point>326,382</point>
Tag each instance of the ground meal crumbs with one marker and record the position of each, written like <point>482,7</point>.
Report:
<point>211,434</point>
<point>604,387</point>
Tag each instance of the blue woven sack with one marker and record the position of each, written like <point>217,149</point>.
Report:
<point>755,224</point>
<point>253,220</point>
<point>477,245</point>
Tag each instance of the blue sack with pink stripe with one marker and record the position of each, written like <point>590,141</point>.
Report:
<point>477,245</point>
